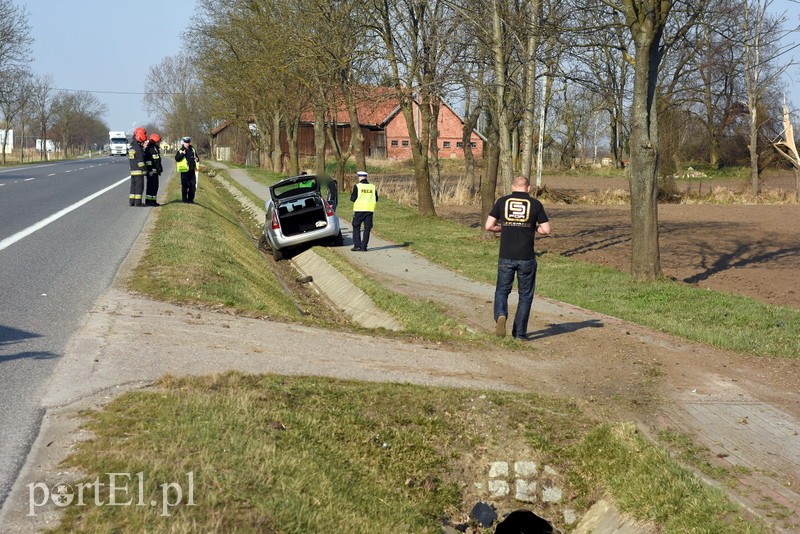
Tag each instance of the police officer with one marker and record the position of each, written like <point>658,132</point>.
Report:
<point>138,166</point>
<point>152,158</point>
<point>187,159</point>
<point>364,198</point>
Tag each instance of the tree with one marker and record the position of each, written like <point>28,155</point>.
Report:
<point>761,40</point>
<point>15,38</point>
<point>416,51</point>
<point>14,94</point>
<point>172,95</point>
<point>76,117</point>
<point>42,98</point>
<point>647,21</point>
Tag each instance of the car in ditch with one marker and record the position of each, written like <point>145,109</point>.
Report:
<point>298,214</point>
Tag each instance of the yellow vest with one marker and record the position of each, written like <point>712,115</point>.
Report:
<point>366,197</point>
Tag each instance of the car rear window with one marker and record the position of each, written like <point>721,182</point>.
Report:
<point>296,188</point>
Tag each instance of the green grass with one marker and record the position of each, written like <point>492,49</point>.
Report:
<point>723,320</point>
<point>200,253</point>
<point>301,454</point>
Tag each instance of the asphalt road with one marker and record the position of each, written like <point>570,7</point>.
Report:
<point>64,230</point>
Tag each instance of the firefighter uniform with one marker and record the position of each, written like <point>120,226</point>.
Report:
<point>364,198</point>
<point>138,167</point>
<point>152,159</point>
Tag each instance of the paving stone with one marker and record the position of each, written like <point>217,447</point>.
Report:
<point>551,494</point>
<point>525,491</point>
<point>525,469</point>
<point>570,517</point>
<point>499,488</point>
<point>550,471</point>
<point>498,469</point>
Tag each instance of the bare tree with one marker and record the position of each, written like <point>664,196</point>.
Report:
<point>42,97</point>
<point>761,40</point>
<point>76,116</point>
<point>15,38</point>
<point>14,94</point>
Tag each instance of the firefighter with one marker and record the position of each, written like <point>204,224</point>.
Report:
<point>152,158</point>
<point>138,166</point>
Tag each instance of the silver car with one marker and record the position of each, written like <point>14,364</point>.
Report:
<point>297,214</point>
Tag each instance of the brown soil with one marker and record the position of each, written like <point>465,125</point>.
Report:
<point>752,249</point>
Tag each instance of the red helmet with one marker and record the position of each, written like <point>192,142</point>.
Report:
<point>155,138</point>
<point>140,134</point>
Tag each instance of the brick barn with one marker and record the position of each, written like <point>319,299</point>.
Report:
<point>383,127</point>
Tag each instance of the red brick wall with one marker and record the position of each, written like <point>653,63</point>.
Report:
<point>449,132</point>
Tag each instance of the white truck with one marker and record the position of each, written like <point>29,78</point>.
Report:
<point>117,144</point>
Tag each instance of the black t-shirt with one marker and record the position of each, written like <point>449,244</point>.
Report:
<point>518,214</point>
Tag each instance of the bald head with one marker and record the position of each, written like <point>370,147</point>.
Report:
<point>520,183</point>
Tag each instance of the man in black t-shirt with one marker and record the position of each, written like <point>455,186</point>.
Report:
<point>518,217</point>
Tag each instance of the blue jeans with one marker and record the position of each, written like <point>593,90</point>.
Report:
<point>526,282</point>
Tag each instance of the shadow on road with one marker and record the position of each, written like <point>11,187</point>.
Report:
<point>564,328</point>
<point>10,336</point>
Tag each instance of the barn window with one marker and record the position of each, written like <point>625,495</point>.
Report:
<point>446,144</point>
<point>473,144</point>
<point>459,144</point>
<point>394,142</point>
<point>405,142</point>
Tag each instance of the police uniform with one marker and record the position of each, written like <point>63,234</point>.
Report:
<point>188,177</point>
<point>364,198</point>
<point>138,167</point>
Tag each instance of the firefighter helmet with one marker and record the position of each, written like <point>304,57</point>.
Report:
<point>140,134</point>
<point>155,138</point>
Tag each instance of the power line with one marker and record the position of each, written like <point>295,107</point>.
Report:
<point>119,92</point>
<point>100,92</point>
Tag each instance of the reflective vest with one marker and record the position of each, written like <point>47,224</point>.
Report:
<point>366,197</point>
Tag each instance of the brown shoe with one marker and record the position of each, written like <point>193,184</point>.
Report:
<point>500,327</point>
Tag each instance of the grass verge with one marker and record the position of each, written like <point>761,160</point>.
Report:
<point>723,320</point>
<point>301,454</point>
<point>200,253</point>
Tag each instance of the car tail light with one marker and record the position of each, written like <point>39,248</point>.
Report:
<point>328,208</point>
<point>275,222</point>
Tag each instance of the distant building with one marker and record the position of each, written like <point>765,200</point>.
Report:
<point>51,147</point>
<point>383,127</point>
<point>8,143</point>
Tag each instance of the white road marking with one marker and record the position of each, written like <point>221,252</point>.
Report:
<point>28,179</point>
<point>7,242</point>
<point>51,174</point>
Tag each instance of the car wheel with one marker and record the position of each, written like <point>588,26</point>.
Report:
<point>338,241</point>
<point>277,254</point>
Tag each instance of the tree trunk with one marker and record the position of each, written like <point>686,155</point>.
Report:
<point>356,137</point>
<point>319,142</point>
<point>292,131</point>
<point>645,260</point>
<point>489,182</point>
<point>529,117</point>
<point>501,106</point>
<point>755,182</point>
<point>277,152</point>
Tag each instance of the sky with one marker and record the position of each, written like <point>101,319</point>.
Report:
<point>97,46</point>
